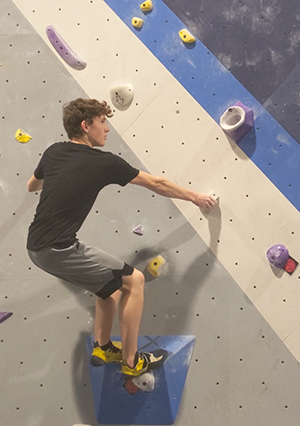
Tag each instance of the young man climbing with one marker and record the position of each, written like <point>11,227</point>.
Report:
<point>70,175</point>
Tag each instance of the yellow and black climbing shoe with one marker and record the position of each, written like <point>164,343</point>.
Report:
<point>112,352</point>
<point>145,361</point>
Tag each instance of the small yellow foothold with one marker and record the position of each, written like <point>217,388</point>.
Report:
<point>22,136</point>
<point>147,6</point>
<point>186,36</point>
<point>137,22</point>
<point>156,265</point>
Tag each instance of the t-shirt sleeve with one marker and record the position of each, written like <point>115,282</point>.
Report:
<point>121,172</point>
<point>38,173</point>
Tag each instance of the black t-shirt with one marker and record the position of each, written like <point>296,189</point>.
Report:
<point>73,176</point>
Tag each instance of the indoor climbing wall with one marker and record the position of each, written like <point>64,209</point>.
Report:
<point>217,284</point>
<point>258,43</point>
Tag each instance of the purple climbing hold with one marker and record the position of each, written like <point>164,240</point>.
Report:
<point>139,230</point>
<point>64,50</point>
<point>237,121</point>
<point>4,315</point>
<point>278,255</point>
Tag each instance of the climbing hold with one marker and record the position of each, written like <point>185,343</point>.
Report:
<point>22,136</point>
<point>291,265</point>
<point>214,195</point>
<point>232,118</point>
<point>130,387</point>
<point>186,36</point>
<point>139,230</point>
<point>146,6</point>
<point>137,22</point>
<point>118,403</point>
<point>145,382</point>
<point>156,265</point>
<point>122,95</point>
<point>278,255</point>
<point>236,121</point>
<point>4,315</point>
<point>64,50</point>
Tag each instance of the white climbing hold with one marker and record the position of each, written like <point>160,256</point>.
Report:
<point>233,118</point>
<point>122,95</point>
<point>145,382</point>
<point>214,195</point>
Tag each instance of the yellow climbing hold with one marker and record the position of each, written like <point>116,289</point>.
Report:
<point>156,265</point>
<point>147,6</point>
<point>22,136</point>
<point>186,36</point>
<point>137,22</point>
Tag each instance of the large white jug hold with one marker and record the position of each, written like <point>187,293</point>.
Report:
<point>232,119</point>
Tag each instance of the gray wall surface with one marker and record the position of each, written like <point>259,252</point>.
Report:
<point>241,372</point>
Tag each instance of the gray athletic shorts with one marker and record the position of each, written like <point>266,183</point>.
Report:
<point>88,267</point>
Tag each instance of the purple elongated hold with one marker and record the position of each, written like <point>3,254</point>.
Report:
<point>64,50</point>
<point>4,315</point>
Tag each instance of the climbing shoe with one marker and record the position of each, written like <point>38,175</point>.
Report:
<point>112,352</point>
<point>145,361</point>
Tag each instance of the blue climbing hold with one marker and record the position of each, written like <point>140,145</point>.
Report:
<point>118,400</point>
